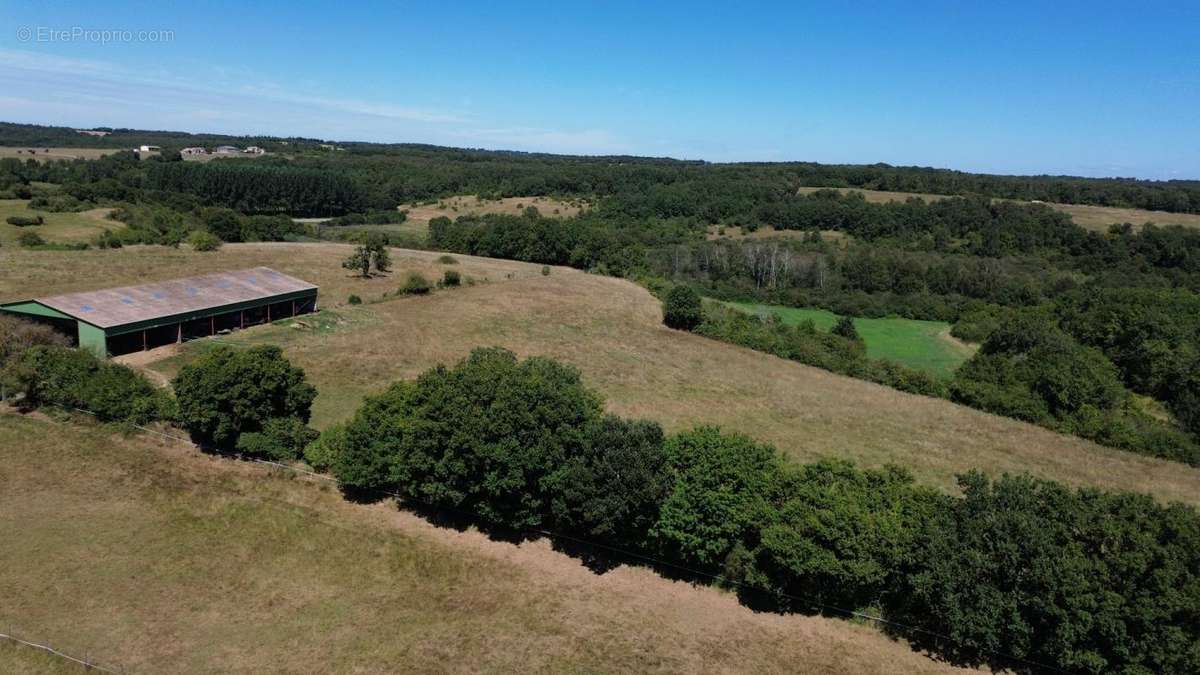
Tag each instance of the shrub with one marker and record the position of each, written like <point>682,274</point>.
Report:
<point>107,239</point>
<point>18,335</point>
<point>545,270</point>
<point>447,260</point>
<point>75,378</point>
<point>354,300</point>
<point>226,393</point>
<point>323,452</point>
<point>281,438</point>
<point>451,278</point>
<point>719,496</point>
<point>845,328</point>
<point>613,487</point>
<point>416,284</point>
<point>31,239</point>
<point>203,240</point>
<point>682,309</point>
<point>25,221</point>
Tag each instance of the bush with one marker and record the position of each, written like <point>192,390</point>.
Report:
<point>719,498</point>
<point>75,378</point>
<point>203,240</point>
<point>845,328</point>
<point>31,239</point>
<point>324,451</point>
<point>545,270</point>
<point>107,239</point>
<point>354,300</point>
<point>17,335</point>
<point>226,393</point>
<point>447,260</point>
<point>416,284</point>
<point>451,278</point>
<point>281,439</point>
<point>25,221</point>
<point>682,309</point>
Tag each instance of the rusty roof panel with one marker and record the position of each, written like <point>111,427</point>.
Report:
<point>114,307</point>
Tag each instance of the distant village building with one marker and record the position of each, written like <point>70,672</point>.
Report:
<point>193,151</point>
<point>255,150</point>
<point>227,150</point>
<point>92,132</point>
<point>150,148</point>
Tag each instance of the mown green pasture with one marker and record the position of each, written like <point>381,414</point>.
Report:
<point>926,345</point>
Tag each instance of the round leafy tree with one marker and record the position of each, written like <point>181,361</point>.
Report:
<point>681,309</point>
<point>227,393</point>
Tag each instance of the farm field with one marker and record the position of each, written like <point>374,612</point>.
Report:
<point>925,345</point>
<point>1091,217</point>
<point>611,330</point>
<point>43,154</point>
<point>59,227</point>
<point>148,556</point>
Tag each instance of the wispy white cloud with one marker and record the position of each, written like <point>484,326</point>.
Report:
<point>50,89</point>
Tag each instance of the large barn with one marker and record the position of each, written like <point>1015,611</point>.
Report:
<point>117,321</point>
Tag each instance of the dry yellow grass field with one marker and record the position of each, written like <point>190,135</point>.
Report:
<point>150,557</point>
<point>611,330</point>
<point>1092,217</point>
<point>463,205</point>
<point>43,154</point>
<point>59,227</point>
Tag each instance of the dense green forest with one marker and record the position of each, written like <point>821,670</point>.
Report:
<point>1107,341</point>
<point>404,171</point>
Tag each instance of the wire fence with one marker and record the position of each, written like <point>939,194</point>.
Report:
<point>801,602</point>
<point>86,662</point>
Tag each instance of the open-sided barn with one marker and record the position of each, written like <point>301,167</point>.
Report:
<point>117,321</point>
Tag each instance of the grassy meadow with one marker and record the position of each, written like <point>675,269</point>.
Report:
<point>58,227</point>
<point>611,330</point>
<point>1091,217</point>
<point>149,556</point>
<point>43,154</point>
<point>925,345</point>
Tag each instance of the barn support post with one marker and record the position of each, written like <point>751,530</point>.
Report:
<point>293,308</point>
<point>243,318</point>
<point>145,343</point>
<point>179,333</point>
<point>212,325</point>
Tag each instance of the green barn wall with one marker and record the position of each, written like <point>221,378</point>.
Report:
<point>93,339</point>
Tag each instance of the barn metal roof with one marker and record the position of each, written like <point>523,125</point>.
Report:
<point>113,307</point>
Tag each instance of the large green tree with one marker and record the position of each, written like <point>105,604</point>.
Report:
<point>229,392</point>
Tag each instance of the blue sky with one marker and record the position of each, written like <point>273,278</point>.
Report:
<point>1085,88</point>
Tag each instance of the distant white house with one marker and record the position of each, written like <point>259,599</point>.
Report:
<point>193,151</point>
<point>254,150</point>
<point>92,132</point>
<point>227,150</point>
<point>150,148</point>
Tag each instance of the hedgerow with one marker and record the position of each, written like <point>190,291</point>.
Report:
<point>1077,579</point>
